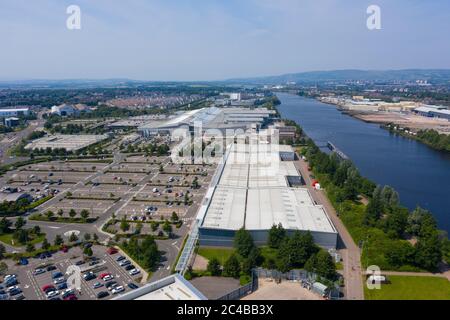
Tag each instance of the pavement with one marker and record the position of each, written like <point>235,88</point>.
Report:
<point>350,252</point>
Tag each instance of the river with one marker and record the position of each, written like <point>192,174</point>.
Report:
<point>420,174</point>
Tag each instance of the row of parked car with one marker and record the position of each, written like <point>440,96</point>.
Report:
<point>127,265</point>
<point>58,289</point>
<point>9,288</point>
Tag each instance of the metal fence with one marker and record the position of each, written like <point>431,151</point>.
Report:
<point>242,291</point>
<point>188,249</point>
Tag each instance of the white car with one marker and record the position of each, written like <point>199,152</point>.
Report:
<point>38,271</point>
<point>13,288</point>
<point>134,272</point>
<point>124,263</point>
<point>52,294</point>
<point>59,280</point>
<point>108,277</point>
<point>118,289</point>
<point>9,276</point>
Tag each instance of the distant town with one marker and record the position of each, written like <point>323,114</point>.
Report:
<point>195,191</point>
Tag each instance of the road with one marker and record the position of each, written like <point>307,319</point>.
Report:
<point>12,139</point>
<point>350,252</point>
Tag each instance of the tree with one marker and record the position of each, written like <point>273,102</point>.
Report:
<point>396,222</point>
<point>231,267</point>
<point>20,222</point>
<point>60,212</point>
<point>21,236</point>
<point>400,253</point>
<point>124,225</point>
<point>45,245</point>
<point>73,237</point>
<point>276,236</point>
<point>84,214</point>
<point>29,247</point>
<point>58,240</point>
<point>325,266</point>
<point>88,251</point>
<point>243,242</point>
<point>72,213</point>
<point>214,267</point>
<point>95,237</point>
<point>49,214</point>
<point>36,230</point>
<point>374,209</point>
<point>167,227</point>
<point>2,251</point>
<point>5,225</point>
<point>174,217</point>
<point>87,236</point>
<point>428,252</point>
<point>139,227</point>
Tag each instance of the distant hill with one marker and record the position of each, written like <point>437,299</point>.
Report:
<point>432,75</point>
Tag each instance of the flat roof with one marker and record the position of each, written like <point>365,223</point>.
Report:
<point>257,194</point>
<point>173,287</point>
<point>67,141</point>
<point>293,208</point>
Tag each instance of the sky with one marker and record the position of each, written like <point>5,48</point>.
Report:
<point>215,40</point>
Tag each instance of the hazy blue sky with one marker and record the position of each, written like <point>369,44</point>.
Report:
<point>213,40</point>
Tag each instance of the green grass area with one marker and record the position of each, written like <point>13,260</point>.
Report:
<point>222,254</point>
<point>8,239</point>
<point>40,217</point>
<point>339,266</point>
<point>411,288</point>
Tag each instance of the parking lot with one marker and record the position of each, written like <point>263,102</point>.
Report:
<point>40,273</point>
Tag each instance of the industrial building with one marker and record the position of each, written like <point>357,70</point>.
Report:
<point>433,112</point>
<point>68,142</point>
<point>64,110</point>
<point>173,287</point>
<point>255,189</point>
<point>210,118</point>
<point>14,112</point>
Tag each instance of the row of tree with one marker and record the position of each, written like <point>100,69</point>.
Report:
<point>291,252</point>
<point>384,212</point>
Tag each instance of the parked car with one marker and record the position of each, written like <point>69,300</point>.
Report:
<point>67,293</point>
<point>120,258</point>
<point>112,250</point>
<point>110,284</point>
<point>57,274</point>
<point>62,286</point>
<point>52,294</point>
<point>59,280</point>
<point>48,287</point>
<point>118,289</point>
<point>108,277</point>
<point>89,276</point>
<point>51,268</point>
<point>132,286</point>
<point>38,271</point>
<point>102,294</point>
<point>129,267</point>
<point>80,262</point>
<point>134,272</point>
<point>124,263</point>
<point>97,285</point>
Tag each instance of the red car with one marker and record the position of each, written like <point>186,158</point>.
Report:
<point>64,249</point>
<point>112,250</point>
<point>71,297</point>
<point>104,275</point>
<point>48,287</point>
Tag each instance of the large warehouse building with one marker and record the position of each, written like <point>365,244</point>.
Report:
<point>210,118</point>
<point>255,189</point>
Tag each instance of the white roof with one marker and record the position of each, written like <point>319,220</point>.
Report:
<point>227,209</point>
<point>293,208</point>
<point>173,287</point>
<point>257,194</point>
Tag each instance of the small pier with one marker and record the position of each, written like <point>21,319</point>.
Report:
<point>336,150</point>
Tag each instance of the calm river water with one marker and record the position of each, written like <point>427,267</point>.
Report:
<point>420,174</point>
